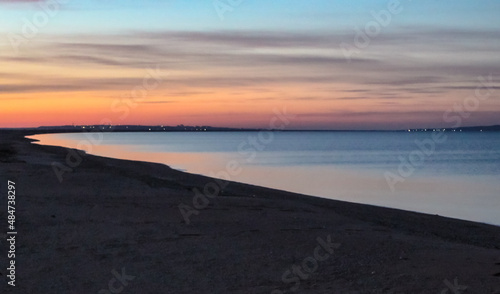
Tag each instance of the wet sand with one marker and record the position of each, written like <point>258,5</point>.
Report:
<point>114,226</point>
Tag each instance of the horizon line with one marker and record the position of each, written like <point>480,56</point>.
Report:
<point>160,128</point>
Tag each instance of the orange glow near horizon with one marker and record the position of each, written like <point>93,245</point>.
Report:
<point>215,107</point>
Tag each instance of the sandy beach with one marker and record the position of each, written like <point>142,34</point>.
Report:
<point>115,226</point>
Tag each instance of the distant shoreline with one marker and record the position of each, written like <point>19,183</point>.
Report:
<point>182,128</point>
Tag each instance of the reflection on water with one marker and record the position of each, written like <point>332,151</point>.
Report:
<point>459,180</point>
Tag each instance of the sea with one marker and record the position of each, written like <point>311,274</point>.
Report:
<point>453,174</point>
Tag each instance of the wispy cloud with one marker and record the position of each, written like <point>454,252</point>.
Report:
<point>223,58</point>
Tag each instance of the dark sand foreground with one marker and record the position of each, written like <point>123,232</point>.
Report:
<point>114,226</point>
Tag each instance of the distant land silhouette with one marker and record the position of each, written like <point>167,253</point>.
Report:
<point>183,128</point>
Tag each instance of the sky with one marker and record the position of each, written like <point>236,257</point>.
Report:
<point>328,64</point>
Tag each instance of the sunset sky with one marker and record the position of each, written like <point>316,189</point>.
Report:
<point>225,63</point>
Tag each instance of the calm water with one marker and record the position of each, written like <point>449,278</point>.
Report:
<point>457,175</point>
